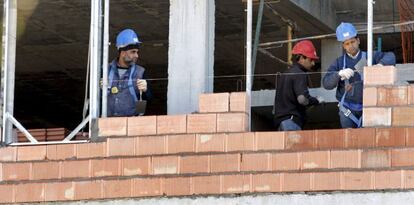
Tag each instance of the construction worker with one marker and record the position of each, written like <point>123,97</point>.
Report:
<point>126,79</point>
<point>292,94</point>
<point>345,74</point>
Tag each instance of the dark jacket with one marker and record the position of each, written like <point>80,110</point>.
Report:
<point>290,85</point>
<point>123,103</point>
<point>332,80</point>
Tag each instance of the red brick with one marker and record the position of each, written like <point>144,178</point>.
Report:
<point>88,190</point>
<point>112,126</point>
<point>379,75</point>
<point>207,185</point>
<point>296,182</point>
<point>402,157</point>
<point>409,179</point>
<point>105,167</point>
<point>286,161</point>
<point>225,163</point>
<point>121,147</point>
<point>389,137</point>
<point>388,180</point>
<point>375,158</point>
<point>392,96</point>
<point>165,165</point>
<point>315,160</point>
<point>180,143</point>
<point>142,125</point>
<point>75,169</point>
<point>266,183</point>
<point>345,159</point>
<point>147,187</point>
<point>213,102</point>
<point>60,191</point>
<point>270,140</point>
<point>135,166</point>
<point>232,122</point>
<point>370,96</point>
<point>8,154</point>
<point>154,145</point>
<point>59,152</point>
<point>16,171</point>
<point>117,188</point>
<point>172,124</point>
<point>255,162</point>
<point>357,181</point>
<point>360,138</point>
<point>410,136</point>
<point>210,142</point>
<point>29,193</point>
<point>403,116</point>
<point>6,193</point>
<point>239,102</point>
<point>45,170</point>
<point>411,94</point>
<point>201,123</point>
<point>236,183</point>
<point>327,139</point>
<point>194,164</point>
<point>31,153</point>
<point>299,140</point>
<point>90,150</point>
<point>326,181</point>
<point>180,186</point>
<point>240,142</point>
<point>376,116</point>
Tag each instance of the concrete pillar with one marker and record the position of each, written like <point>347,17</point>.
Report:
<point>191,53</point>
<point>331,49</point>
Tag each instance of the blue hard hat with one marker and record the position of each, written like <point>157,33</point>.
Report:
<point>126,37</point>
<point>345,31</point>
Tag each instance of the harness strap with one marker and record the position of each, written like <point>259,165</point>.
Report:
<point>130,82</point>
<point>348,113</point>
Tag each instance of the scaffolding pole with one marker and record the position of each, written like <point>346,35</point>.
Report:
<point>249,57</point>
<point>105,59</point>
<point>369,33</point>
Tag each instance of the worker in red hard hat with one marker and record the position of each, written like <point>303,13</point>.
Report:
<point>292,94</point>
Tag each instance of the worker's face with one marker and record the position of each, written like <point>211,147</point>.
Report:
<point>351,46</point>
<point>130,56</point>
<point>307,63</point>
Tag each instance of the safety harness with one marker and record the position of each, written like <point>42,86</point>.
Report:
<point>130,83</point>
<point>354,106</point>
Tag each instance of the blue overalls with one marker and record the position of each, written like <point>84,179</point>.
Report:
<point>122,91</point>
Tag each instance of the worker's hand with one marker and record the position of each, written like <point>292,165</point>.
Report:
<point>320,99</point>
<point>379,64</point>
<point>142,85</point>
<point>346,73</point>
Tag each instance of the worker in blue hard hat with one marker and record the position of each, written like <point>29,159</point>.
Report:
<point>346,74</point>
<point>126,79</point>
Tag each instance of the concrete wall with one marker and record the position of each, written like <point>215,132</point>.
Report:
<point>191,53</point>
<point>385,198</point>
<point>323,10</point>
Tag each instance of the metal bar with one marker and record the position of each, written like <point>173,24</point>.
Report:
<point>369,33</point>
<point>21,128</point>
<point>105,59</point>
<point>77,129</point>
<point>257,36</point>
<point>289,45</point>
<point>46,143</point>
<point>9,59</point>
<point>249,55</point>
<point>94,83</point>
<point>379,46</point>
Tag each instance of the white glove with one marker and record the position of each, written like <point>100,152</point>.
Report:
<point>346,73</point>
<point>142,85</point>
<point>320,99</point>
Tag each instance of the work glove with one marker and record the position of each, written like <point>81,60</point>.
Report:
<point>320,99</point>
<point>142,85</point>
<point>346,73</point>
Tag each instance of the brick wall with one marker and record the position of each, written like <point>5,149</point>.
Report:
<point>207,153</point>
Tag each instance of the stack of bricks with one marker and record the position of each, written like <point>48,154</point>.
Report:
<point>44,135</point>
<point>386,104</point>
<point>207,153</point>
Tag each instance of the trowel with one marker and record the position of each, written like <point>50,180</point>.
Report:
<point>359,67</point>
<point>141,105</point>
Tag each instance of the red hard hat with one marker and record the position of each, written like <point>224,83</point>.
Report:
<point>305,48</point>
